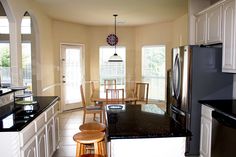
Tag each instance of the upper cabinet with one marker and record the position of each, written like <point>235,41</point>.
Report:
<point>228,62</point>
<point>216,24</point>
<point>201,28</point>
<point>208,25</point>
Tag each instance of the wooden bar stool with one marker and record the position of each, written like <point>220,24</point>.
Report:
<point>93,126</point>
<point>87,138</point>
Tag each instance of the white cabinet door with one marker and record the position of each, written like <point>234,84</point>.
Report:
<point>228,60</point>
<point>56,122</point>
<point>214,25</point>
<point>41,143</point>
<point>29,150</point>
<point>206,128</point>
<point>50,137</point>
<point>205,144</point>
<point>200,28</point>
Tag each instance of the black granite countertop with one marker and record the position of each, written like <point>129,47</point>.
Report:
<point>141,121</point>
<point>226,107</point>
<point>14,117</point>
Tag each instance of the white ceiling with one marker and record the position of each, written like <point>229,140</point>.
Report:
<point>100,12</point>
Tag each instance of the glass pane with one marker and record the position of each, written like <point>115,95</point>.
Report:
<point>112,70</point>
<point>153,70</point>
<point>26,65</point>
<point>4,25</point>
<point>72,75</point>
<point>5,70</point>
<point>26,25</point>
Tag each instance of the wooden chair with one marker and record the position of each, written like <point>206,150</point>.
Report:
<point>109,84</point>
<point>90,109</point>
<point>141,92</point>
<point>115,96</point>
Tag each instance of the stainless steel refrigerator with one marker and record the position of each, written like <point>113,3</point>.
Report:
<point>196,75</point>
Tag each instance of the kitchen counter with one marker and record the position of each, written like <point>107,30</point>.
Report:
<point>14,117</point>
<point>141,121</point>
<point>226,107</point>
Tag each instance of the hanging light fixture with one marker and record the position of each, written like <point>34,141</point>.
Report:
<point>112,40</point>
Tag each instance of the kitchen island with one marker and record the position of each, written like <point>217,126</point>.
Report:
<point>143,130</point>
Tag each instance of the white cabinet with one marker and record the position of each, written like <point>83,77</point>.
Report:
<point>214,25</point>
<point>29,150</point>
<point>201,28</point>
<point>206,129</point>
<point>228,58</point>
<point>57,135</point>
<point>50,137</point>
<point>41,143</point>
<point>208,25</point>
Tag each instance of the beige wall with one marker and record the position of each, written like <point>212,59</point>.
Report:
<point>69,33</point>
<point>180,31</point>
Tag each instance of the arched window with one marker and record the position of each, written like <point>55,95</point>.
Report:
<point>5,72</point>
<point>27,42</point>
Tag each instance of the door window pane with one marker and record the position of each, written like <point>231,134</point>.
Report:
<point>5,70</point>
<point>153,70</point>
<point>112,70</point>
<point>73,75</point>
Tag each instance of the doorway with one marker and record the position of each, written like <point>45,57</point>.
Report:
<point>71,75</point>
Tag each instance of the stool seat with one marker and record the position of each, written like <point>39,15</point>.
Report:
<point>91,155</point>
<point>87,137</point>
<point>93,126</point>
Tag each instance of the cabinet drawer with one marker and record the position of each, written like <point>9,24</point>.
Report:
<point>27,133</point>
<point>56,107</point>
<point>39,122</point>
<point>48,114</point>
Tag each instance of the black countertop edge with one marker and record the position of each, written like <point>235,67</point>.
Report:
<point>147,136</point>
<point>44,103</point>
<point>223,106</point>
<point>5,91</point>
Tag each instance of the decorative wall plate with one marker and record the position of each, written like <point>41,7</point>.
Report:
<point>112,39</point>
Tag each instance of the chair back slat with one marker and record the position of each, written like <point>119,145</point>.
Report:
<point>115,96</point>
<point>141,92</point>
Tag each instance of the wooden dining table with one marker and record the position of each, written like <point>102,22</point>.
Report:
<point>100,96</point>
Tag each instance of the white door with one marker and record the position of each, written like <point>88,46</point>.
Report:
<point>71,75</point>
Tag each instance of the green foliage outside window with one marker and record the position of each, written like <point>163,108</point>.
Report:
<point>5,58</point>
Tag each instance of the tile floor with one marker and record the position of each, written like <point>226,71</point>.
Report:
<point>69,125</point>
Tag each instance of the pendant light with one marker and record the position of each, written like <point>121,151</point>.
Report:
<point>112,40</point>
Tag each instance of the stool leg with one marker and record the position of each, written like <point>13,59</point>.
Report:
<point>100,116</point>
<point>78,149</point>
<point>96,148</point>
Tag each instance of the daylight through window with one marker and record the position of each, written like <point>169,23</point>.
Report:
<point>153,70</point>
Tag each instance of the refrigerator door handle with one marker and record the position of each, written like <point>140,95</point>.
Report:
<point>176,110</point>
